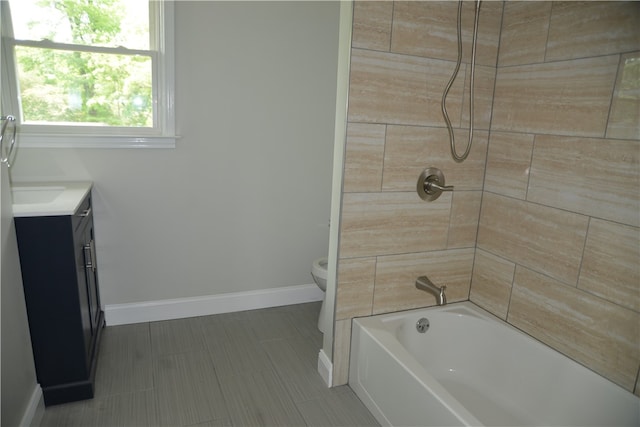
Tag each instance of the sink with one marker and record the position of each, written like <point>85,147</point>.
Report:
<point>35,195</point>
<point>48,198</point>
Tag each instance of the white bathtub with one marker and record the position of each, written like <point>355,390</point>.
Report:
<point>469,368</point>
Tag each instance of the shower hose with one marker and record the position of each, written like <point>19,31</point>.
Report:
<point>452,141</point>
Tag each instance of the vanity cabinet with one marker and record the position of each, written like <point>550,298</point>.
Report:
<point>58,262</point>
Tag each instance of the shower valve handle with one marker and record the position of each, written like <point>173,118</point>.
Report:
<point>431,184</point>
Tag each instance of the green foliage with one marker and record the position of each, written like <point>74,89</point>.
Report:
<point>86,87</point>
<point>92,22</point>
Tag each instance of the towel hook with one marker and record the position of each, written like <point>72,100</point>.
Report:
<point>6,120</point>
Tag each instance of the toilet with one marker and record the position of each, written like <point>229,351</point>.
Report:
<point>319,274</point>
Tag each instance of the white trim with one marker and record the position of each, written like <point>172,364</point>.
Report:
<point>166,72</point>
<point>339,146</point>
<point>151,311</point>
<point>95,141</point>
<point>48,44</point>
<point>35,409</point>
<point>325,368</point>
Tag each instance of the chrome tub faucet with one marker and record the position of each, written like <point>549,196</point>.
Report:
<point>423,283</point>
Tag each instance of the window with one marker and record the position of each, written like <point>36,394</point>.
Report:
<point>85,73</point>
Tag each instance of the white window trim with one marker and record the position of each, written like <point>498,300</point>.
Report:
<point>37,136</point>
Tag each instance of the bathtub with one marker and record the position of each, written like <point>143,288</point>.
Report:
<point>470,368</point>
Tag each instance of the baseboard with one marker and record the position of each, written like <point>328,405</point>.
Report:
<point>325,368</point>
<point>35,409</point>
<point>151,311</point>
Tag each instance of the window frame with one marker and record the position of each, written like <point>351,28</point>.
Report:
<point>161,52</point>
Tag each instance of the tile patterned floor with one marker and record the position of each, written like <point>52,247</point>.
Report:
<point>253,368</point>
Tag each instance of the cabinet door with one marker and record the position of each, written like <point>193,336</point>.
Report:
<point>83,291</point>
<point>92,277</point>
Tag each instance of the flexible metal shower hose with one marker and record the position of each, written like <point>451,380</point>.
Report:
<point>452,140</point>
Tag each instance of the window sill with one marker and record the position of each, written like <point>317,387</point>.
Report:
<point>95,141</point>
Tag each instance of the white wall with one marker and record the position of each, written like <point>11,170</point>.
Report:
<point>243,202</point>
<point>19,391</point>
<point>17,367</point>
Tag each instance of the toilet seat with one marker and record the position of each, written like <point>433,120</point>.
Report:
<point>319,269</point>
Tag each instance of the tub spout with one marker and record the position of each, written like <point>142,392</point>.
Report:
<point>423,283</point>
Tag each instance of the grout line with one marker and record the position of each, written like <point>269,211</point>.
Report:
<point>393,14</point>
<point>375,275</point>
<point>546,42</point>
<point>533,148</point>
<point>584,249</point>
<point>613,94</point>
<point>384,155</point>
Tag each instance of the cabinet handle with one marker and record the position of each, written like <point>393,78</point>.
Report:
<point>85,213</point>
<point>89,255</point>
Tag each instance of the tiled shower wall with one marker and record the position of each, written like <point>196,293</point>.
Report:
<point>558,246</point>
<point>402,57</point>
<point>551,256</point>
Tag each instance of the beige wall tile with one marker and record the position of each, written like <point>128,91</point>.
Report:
<point>624,120</point>
<point>603,336</point>
<point>545,239</point>
<point>562,98</point>
<point>491,283</point>
<point>401,89</point>
<point>392,223</point>
<point>591,28</point>
<point>355,287</point>
<point>525,25</point>
<point>372,24</point>
<point>483,97</point>
<point>410,149</point>
<point>611,263</point>
<point>428,28</point>
<point>363,157</point>
<point>508,162</point>
<point>341,352</point>
<point>597,177</point>
<point>396,277</point>
<point>488,31</point>
<point>588,320</point>
<point>465,214</point>
<point>425,29</point>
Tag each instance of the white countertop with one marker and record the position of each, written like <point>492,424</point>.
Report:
<point>58,198</point>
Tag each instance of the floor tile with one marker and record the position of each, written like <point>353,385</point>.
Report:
<point>187,389</point>
<point>305,319</point>
<point>127,409</point>
<point>134,338</point>
<point>339,408</point>
<point>124,362</point>
<point>299,374</point>
<point>70,414</point>
<point>225,422</point>
<point>176,336</point>
<point>235,369</point>
<point>271,323</point>
<point>259,399</point>
<point>234,349</point>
